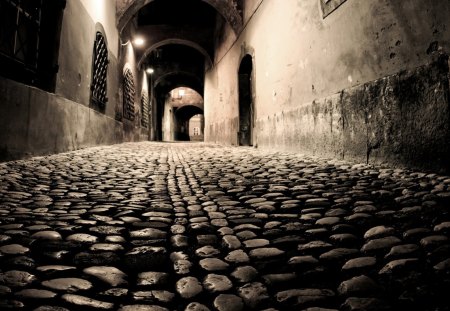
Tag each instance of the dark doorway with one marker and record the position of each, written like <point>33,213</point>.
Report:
<point>245,102</point>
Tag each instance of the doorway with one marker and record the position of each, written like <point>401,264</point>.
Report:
<point>245,102</point>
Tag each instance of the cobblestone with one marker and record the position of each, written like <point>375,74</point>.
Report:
<point>152,226</point>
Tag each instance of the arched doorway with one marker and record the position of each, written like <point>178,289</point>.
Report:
<point>181,104</point>
<point>245,102</point>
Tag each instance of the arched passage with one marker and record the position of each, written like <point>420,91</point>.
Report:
<point>246,122</point>
<point>178,41</point>
<point>127,9</point>
<point>180,105</point>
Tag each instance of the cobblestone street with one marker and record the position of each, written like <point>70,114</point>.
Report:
<point>152,226</point>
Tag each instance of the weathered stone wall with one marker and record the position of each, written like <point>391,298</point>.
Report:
<point>34,122</point>
<point>369,82</point>
<point>401,119</point>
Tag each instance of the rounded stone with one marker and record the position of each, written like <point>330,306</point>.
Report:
<point>152,278</point>
<point>195,306</point>
<point>106,247</point>
<point>87,302</point>
<point>35,294</point>
<point>82,237</point>
<point>237,256</point>
<point>213,264</point>
<point>14,249</point>
<point>109,275</point>
<point>115,239</point>
<point>225,302</point>
<point>253,294</point>
<point>16,278</point>
<point>265,252</point>
<point>217,283</point>
<point>142,308</point>
<point>182,266</point>
<point>378,232</point>
<point>207,251</point>
<point>359,285</point>
<point>47,235</point>
<point>150,233</point>
<point>244,274</point>
<point>360,263</point>
<point>254,243</point>
<point>69,285</point>
<point>189,287</point>
<point>50,308</point>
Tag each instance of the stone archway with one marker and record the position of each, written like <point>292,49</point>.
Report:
<point>179,41</point>
<point>126,9</point>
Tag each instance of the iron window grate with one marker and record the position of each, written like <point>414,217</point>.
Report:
<point>99,73</point>
<point>144,110</point>
<point>128,95</point>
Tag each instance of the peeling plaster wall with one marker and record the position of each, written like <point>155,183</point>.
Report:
<point>368,83</point>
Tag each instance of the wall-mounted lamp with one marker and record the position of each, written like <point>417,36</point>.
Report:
<point>138,41</point>
<point>149,70</point>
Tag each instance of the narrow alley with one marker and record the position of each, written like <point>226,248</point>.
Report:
<point>197,226</point>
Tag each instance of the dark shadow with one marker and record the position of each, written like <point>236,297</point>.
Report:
<point>245,102</point>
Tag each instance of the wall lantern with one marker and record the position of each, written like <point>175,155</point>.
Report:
<point>138,41</point>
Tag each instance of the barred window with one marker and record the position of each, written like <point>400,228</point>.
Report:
<point>99,73</point>
<point>128,95</point>
<point>26,55</point>
<point>329,6</point>
<point>144,110</point>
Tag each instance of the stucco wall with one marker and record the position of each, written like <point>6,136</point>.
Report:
<point>104,12</point>
<point>34,122</point>
<point>76,48</point>
<point>302,60</point>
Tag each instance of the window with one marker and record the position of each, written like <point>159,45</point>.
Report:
<point>144,110</point>
<point>196,131</point>
<point>25,55</point>
<point>128,95</point>
<point>99,73</point>
<point>329,6</point>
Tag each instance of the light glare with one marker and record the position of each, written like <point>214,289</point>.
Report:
<point>139,41</point>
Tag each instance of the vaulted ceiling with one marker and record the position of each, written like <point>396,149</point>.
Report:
<point>179,36</point>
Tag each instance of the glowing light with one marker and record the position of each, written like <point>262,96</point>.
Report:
<point>139,41</point>
<point>150,70</point>
<point>181,93</point>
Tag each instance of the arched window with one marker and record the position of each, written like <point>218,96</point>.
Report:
<point>144,109</point>
<point>29,41</point>
<point>99,73</point>
<point>128,95</point>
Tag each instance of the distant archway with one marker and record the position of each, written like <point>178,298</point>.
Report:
<point>246,122</point>
<point>179,41</point>
<point>180,105</point>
